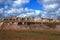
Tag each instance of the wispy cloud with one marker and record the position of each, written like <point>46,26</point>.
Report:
<point>51,8</point>
<point>20,12</point>
<point>16,9</point>
<point>19,3</point>
<point>23,12</point>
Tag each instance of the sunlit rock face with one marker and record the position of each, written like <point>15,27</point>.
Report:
<point>28,23</point>
<point>45,20</point>
<point>1,24</point>
<point>37,20</point>
<point>9,26</point>
<point>13,26</point>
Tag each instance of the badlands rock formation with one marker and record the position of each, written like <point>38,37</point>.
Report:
<point>30,23</point>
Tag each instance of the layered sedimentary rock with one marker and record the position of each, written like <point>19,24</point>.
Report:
<point>14,23</point>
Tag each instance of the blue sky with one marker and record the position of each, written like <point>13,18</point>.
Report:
<point>33,4</point>
<point>36,8</point>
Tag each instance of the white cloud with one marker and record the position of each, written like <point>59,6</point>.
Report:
<point>14,11</point>
<point>16,3</point>
<point>17,9</point>
<point>38,12</point>
<point>21,12</point>
<point>22,15</point>
<point>51,5</point>
<point>2,1</point>
<point>14,8</point>
<point>1,10</point>
<point>30,12</point>
<point>50,1</point>
<point>6,2</point>
<point>19,3</point>
<point>51,8</point>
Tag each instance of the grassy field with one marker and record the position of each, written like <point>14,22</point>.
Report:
<point>15,35</point>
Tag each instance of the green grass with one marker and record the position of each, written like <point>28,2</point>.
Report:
<point>14,35</point>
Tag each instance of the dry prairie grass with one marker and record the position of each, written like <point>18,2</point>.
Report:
<point>30,35</point>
